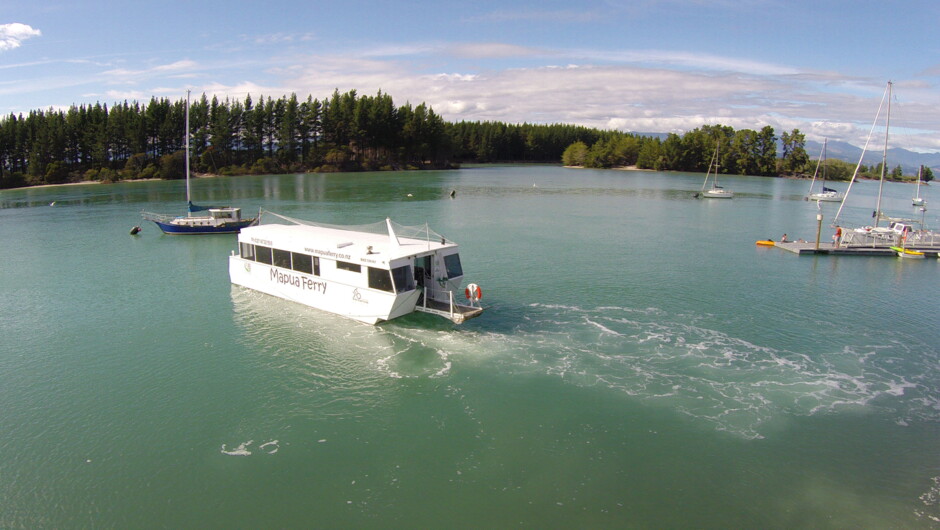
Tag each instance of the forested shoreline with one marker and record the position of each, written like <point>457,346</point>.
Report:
<point>347,132</point>
<point>742,152</point>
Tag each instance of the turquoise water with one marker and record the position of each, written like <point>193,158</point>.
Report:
<point>641,364</point>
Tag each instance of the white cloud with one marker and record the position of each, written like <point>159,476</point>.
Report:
<point>278,38</point>
<point>537,15</point>
<point>489,50</point>
<point>630,97</point>
<point>13,35</point>
<point>129,76</point>
<point>632,90</point>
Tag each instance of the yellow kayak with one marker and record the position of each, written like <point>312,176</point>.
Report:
<point>907,253</point>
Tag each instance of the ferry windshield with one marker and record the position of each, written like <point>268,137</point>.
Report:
<point>452,262</point>
<point>404,279</point>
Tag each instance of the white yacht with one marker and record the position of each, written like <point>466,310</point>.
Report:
<point>716,191</point>
<point>827,194</point>
<point>368,273</point>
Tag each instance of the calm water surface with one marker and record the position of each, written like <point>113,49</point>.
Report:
<point>642,364</point>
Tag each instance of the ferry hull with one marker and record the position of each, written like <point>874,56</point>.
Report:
<point>369,306</point>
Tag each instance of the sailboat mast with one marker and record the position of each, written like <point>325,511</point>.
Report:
<point>188,199</point>
<point>884,159</point>
<point>822,154</point>
<point>825,156</point>
<point>717,159</point>
<point>871,132</point>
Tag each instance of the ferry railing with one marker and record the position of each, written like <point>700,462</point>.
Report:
<point>451,306</point>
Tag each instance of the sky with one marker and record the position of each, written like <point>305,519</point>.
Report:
<point>819,66</point>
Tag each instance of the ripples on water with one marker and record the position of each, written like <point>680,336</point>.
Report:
<point>583,303</point>
<point>664,359</point>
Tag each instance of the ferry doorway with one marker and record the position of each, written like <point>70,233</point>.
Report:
<point>422,270</point>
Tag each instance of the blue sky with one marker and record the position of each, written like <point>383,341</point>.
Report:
<point>642,65</point>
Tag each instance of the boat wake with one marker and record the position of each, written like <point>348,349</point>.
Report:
<point>660,358</point>
<point>677,361</point>
<point>931,501</point>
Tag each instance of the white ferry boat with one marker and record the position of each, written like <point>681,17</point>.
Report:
<point>368,273</point>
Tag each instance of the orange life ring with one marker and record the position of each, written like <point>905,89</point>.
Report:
<point>473,292</point>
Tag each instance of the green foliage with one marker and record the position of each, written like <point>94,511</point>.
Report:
<point>838,169</point>
<point>575,154</point>
<point>349,132</point>
<point>745,152</point>
<point>173,166</point>
<point>56,172</point>
<point>288,134</point>
<point>795,158</point>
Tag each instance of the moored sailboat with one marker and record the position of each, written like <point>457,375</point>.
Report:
<point>827,194</point>
<point>900,233</point>
<point>716,191</point>
<point>217,220</point>
<point>918,200</point>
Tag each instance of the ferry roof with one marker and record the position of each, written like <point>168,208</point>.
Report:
<point>341,244</point>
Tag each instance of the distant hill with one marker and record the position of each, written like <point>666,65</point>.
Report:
<point>909,160</point>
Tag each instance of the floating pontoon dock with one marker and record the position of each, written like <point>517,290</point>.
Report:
<point>809,248</point>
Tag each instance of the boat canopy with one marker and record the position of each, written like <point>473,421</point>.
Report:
<point>196,208</point>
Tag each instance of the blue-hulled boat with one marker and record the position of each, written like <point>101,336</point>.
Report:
<point>224,220</point>
<point>217,220</point>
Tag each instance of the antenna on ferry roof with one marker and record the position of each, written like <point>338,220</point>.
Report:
<point>392,238</point>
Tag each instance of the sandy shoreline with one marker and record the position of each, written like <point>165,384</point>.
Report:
<point>95,182</point>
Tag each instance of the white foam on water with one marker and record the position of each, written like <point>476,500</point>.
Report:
<point>931,501</point>
<point>241,450</point>
<point>680,361</point>
<point>735,384</point>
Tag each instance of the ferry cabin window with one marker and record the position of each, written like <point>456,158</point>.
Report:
<point>304,263</point>
<point>404,279</point>
<point>247,251</point>
<point>380,279</point>
<point>346,266</point>
<point>282,258</point>
<point>452,263</point>
<point>263,254</point>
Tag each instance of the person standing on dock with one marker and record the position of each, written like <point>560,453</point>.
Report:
<point>784,239</point>
<point>837,237</point>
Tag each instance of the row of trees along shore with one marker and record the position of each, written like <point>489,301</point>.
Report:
<point>345,132</point>
<point>744,152</point>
